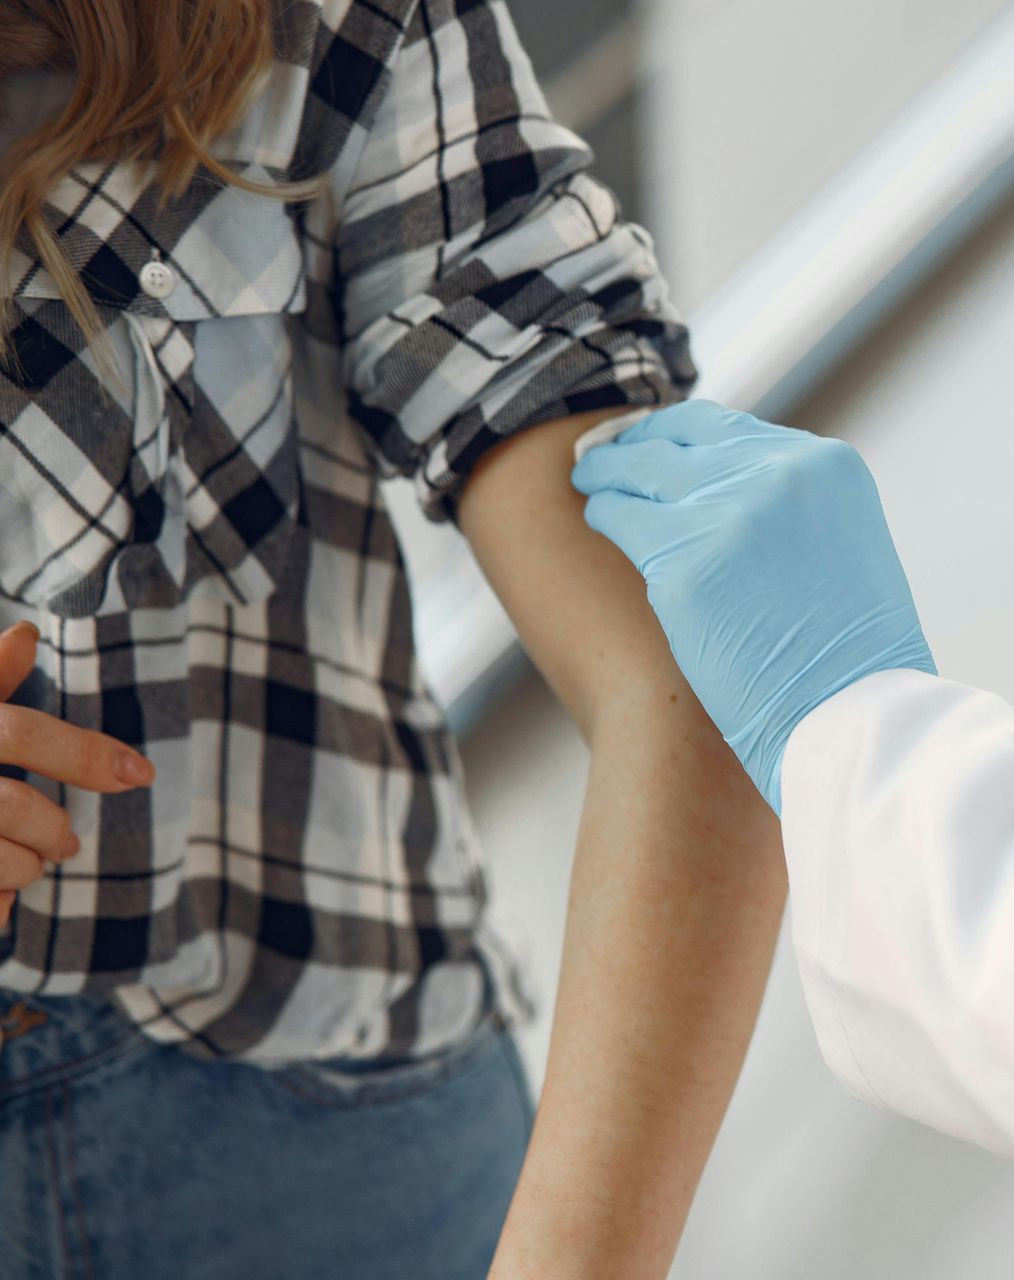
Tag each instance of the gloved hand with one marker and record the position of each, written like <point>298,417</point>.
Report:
<point>768,562</point>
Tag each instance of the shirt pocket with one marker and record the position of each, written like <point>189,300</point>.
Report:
<point>186,483</point>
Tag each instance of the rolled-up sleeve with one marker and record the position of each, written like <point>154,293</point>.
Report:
<point>484,280</point>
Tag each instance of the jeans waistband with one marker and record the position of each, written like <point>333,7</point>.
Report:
<point>51,1035</point>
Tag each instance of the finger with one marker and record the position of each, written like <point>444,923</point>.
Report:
<point>19,867</point>
<point>638,526</point>
<point>17,656</point>
<point>655,469</point>
<point>700,422</point>
<point>7,897</point>
<point>33,820</point>
<point>46,745</point>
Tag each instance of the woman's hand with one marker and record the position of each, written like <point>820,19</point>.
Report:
<point>32,827</point>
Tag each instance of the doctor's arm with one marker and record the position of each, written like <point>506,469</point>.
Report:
<point>676,896</point>
<point>770,566</point>
<point>898,823</point>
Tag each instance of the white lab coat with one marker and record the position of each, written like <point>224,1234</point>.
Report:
<point>898,825</point>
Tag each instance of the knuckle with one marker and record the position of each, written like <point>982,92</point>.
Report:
<point>15,802</point>
<point>839,455</point>
<point>31,732</point>
<point>814,463</point>
<point>9,722</point>
<point>22,732</point>
<point>845,468</point>
<point>34,868</point>
<point>19,867</point>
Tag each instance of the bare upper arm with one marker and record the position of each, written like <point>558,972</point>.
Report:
<point>579,605</point>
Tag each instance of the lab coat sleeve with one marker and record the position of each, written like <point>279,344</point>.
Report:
<point>898,826</point>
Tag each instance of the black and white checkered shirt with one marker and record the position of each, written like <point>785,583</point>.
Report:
<point>210,562</point>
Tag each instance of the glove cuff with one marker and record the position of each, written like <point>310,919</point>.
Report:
<point>760,745</point>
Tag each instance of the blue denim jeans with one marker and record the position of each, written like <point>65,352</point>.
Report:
<point>123,1159</point>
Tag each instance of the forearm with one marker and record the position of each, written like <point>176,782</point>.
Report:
<point>676,897</point>
<point>677,891</point>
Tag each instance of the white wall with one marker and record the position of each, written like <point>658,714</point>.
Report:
<point>758,103</point>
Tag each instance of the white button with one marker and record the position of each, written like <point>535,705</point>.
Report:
<point>157,280</point>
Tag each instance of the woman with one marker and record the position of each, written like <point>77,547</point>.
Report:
<point>259,1023</point>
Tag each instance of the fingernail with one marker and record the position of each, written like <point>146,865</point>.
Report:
<point>72,845</point>
<point>26,626</point>
<point>134,769</point>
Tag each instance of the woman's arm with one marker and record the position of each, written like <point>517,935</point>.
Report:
<point>676,895</point>
<point>480,284</point>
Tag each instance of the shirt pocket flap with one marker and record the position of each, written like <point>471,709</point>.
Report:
<point>239,254</point>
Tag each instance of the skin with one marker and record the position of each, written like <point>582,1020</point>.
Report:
<point>676,896</point>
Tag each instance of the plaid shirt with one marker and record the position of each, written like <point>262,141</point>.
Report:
<point>209,559</point>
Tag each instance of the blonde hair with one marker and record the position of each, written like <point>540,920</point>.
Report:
<point>156,81</point>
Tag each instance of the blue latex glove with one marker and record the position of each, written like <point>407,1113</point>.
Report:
<point>768,562</point>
